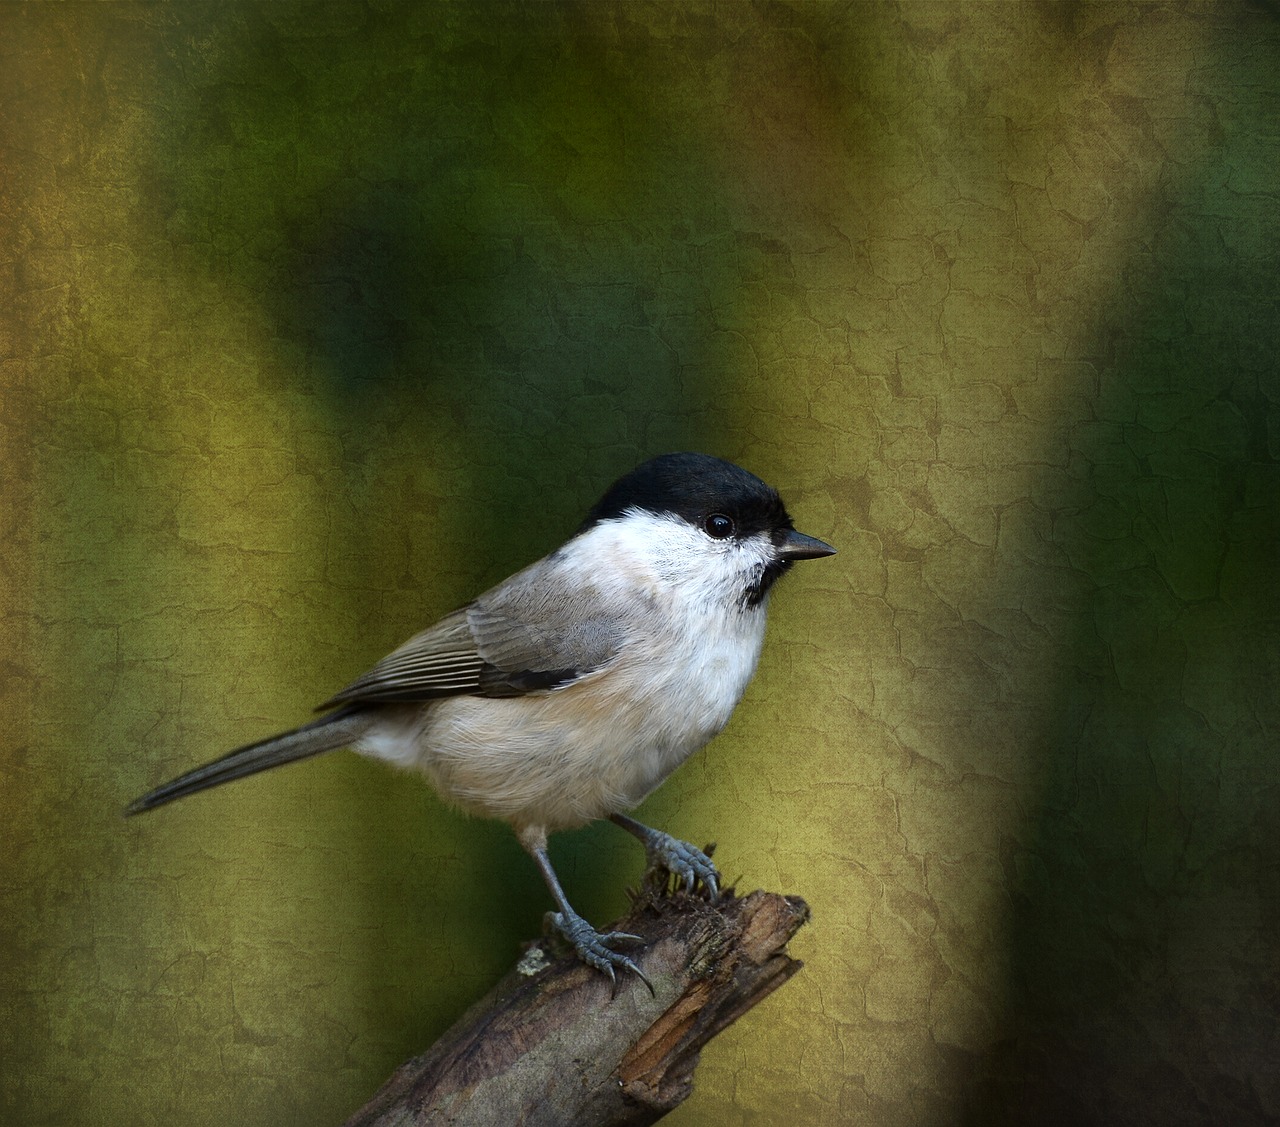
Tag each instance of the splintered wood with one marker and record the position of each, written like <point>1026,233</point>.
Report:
<point>549,1045</point>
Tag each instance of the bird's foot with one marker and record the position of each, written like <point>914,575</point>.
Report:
<point>593,948</point>
<point>687,863</point>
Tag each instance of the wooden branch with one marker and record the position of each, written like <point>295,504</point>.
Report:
<point>549,1045</point>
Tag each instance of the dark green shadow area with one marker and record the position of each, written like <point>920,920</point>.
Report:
<point>1146,905</point>
<point>490,263</point>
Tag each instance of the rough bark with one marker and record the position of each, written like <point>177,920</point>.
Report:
<point>549,1045</point>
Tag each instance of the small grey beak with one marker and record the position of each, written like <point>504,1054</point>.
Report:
<point>797,546</point>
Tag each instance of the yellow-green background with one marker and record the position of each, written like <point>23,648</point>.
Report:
<point>315,319</point>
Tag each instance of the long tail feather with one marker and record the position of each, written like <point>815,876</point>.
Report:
<point>338,729</point>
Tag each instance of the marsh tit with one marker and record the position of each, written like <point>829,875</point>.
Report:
<point>568,692</point>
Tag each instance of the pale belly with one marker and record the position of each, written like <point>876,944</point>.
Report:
<point>563,758</point>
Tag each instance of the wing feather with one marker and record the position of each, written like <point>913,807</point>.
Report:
<point>531,634</point>
<point>442,661</point>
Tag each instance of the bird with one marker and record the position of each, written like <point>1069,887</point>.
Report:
<point>568,692</point>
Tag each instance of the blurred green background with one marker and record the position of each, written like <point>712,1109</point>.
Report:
<point>318,318</point>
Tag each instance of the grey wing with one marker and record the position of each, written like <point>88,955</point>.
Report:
<point>527,635</point>
<point>442,661</point>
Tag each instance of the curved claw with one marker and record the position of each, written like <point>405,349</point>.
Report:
<point>687,863</point>
<point>593,948</point>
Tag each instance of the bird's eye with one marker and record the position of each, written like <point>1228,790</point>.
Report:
<point>719,526</point>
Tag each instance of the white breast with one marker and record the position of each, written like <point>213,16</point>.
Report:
<point>562,758</point>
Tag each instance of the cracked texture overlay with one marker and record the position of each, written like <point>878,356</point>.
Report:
<point>319,318</point>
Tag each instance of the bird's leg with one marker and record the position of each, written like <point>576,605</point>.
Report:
<point>592,947</point>
<point>685,862</point>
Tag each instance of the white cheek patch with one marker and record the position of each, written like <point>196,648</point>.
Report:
<point>667,552</point>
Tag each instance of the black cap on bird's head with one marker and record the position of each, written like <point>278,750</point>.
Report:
<point>722,499</point>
